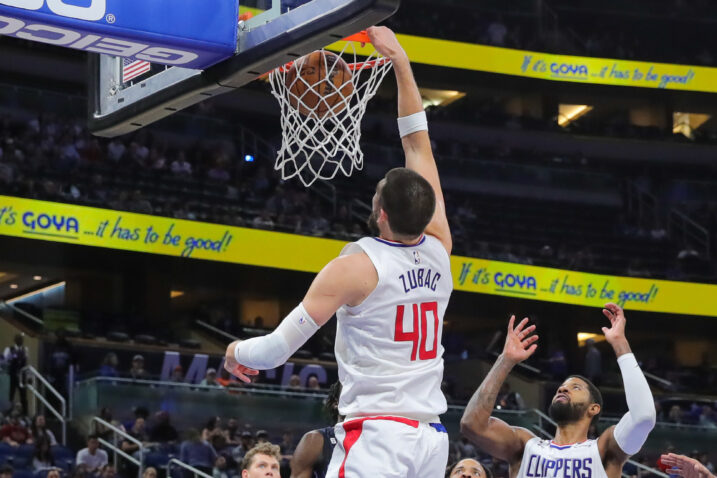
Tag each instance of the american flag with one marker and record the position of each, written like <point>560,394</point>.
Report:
<point>132,68</point>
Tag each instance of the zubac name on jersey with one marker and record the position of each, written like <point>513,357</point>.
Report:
<point>419,277</point>
<point>541,467</point>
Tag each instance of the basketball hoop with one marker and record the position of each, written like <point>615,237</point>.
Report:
<point>321,139</point>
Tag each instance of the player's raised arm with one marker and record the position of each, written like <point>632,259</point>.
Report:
<point>627,437</point>
<point>413,127</point>
<point>491,434</point>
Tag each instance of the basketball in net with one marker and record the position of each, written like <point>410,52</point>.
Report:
<point>319,82</point>
<point>323,98</point>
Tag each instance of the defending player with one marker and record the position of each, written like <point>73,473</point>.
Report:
<point>576,405</point>
<point>313,453</point>
<point>389,293</point>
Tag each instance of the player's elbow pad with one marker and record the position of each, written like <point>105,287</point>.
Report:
<point>273,350</point>
<point>632,430</point>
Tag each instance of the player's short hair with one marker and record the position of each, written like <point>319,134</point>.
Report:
<point>409,201</point>
<point>331,403</point>
<point>449,468</point>
<point>264,448</point>
<point>595,395</point>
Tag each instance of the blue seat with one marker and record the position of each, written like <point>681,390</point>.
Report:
<point>62,453</point>
<point>156,459</point>
<point>23,474</point>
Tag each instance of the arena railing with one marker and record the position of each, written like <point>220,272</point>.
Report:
<point>31,378</point>
<point>187,467</point>
<point>116,432</point>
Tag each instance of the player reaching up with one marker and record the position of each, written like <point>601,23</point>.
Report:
<point>389,294</point>
<point>576,405</point>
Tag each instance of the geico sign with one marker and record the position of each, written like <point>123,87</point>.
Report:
<point>94,43</point>
<point>95,11</point>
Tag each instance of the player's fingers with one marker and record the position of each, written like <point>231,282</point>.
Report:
<point>527,331</point>
<point>608,314</point>
<point>532,349</point>
<point>530,340</point>
<point>520,326</point>
<point>510,323</point>
<point>251,371</point>
<point>242,377</point>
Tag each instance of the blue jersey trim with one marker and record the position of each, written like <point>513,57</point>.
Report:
<point>399,244</point>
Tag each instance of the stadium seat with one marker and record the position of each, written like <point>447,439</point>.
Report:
<point>156,459</point>
<point>23,474</point>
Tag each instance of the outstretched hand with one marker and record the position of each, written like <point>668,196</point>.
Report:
<point>616,316</point>
<point>235,368</point>
<point>684,466</point>
<point>519,343</point>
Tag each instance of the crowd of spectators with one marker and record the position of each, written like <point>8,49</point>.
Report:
<point>48,159</point>
<point>617,30</point>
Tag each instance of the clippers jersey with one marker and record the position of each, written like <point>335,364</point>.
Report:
<point>388,348</point>
<point>544,459</point>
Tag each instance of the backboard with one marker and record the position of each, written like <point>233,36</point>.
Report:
<point>280,31</point>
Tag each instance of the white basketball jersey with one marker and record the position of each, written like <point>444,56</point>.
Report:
<point>544,459</point>
<point>388,348</point>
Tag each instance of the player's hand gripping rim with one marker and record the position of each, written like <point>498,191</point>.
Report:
<point>520,342</point>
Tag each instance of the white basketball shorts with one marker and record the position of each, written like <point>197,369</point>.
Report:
<point>389,447</point>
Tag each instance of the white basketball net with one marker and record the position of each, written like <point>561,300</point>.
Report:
<point>318,146</point>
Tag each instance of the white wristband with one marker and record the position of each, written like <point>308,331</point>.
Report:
<point>271,351</point>
<point>412,124</point>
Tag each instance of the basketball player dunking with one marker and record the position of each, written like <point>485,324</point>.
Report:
<point>576,405</point>
<point>389,294</point>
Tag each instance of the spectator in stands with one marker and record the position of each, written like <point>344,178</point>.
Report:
<point>92,456</point>
<point>313,384</point>
<point>163,431</point>
<point>675,415</point>
<point>39,430</point>
<point>232,432</point>
<point>62,356</point>
<point>196,452</point>
<point>287,445</point>
<point>177,374</point>
<point>465,449</point>
<point>294,382</point>
<point>220,468</point>
<point>508,399</point>
<point>6,471</point>
<point>497,32</point>
<point>467,468</point>
<point>103,431</point>
<point>54,473</point>
<point>261,461</point>
<point>180,166</point>
<point>263,221</point>
<point>262,436</point>
<point>14,433</point>
<point>210,378</point>
<point>109,365</point>
<point>246,444</point>
<point>137,372</point>
<point>593,362</point>
<point>212,428</point>
<point>708,417</point>
<point>16,359</point>
<point>150,472</point>
<point>108,471</point>
<point>137,432</point>
<point>42,458</point>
